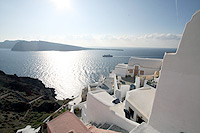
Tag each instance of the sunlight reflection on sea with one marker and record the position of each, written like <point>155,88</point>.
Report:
<point>69,71</point>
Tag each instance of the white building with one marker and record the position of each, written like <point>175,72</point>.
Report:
<point>143,66</point>
<point>138,66</point>
<point>120,91</point>
<point>100,110</point>
<point>121,70</point>
<point>176,106</point>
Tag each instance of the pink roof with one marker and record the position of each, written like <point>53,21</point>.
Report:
<point>66,122</point>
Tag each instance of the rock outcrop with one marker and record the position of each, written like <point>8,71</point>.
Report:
<point>24,101</point>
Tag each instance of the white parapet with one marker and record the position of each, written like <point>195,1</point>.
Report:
<point>121,70</point>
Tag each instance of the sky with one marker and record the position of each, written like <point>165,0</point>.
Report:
<point>97,23</point>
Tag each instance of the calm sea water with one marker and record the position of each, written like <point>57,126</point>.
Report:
<point>69,72</point>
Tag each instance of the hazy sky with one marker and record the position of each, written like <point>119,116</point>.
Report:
<point>113,23</point>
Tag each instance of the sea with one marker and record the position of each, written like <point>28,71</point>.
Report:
<point>70,71</point>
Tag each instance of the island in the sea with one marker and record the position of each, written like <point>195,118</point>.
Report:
<point>7,44</point>
<point>22,45</point>
<point>43,46</point>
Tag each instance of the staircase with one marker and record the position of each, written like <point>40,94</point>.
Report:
<point>107,126</point>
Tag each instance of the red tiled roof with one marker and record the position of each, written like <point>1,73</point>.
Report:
<point>66,122</point>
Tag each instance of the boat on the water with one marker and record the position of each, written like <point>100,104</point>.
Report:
<point>108,55</point>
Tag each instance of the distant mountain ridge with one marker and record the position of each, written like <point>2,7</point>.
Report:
<point>44,46</point>
<point>22,45</point>
<point>8,44</point>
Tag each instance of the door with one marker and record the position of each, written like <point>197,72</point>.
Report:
<point>136,70</point>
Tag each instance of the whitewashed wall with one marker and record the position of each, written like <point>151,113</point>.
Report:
<point>100,113</point>
<point>120,71</point>
<point>149,71</point>
<point>137,82</point>
<point>136,112</point>
<point>176,106</point>
<point>124,89</point>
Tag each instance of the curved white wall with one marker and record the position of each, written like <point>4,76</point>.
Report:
<point>177,102</point>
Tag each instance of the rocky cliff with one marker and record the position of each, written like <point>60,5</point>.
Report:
<point>24,101</point>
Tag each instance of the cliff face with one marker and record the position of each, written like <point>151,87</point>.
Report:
<point>43,46</point>
<point>8,44</point>
<point>24,101</point>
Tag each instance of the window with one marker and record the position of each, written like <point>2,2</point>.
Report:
<point>141,72</point>
<point>130,70</point>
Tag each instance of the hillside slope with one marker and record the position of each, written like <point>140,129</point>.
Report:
<point>24,101</point>
<point>8,44</point>
<point>44,46</point>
